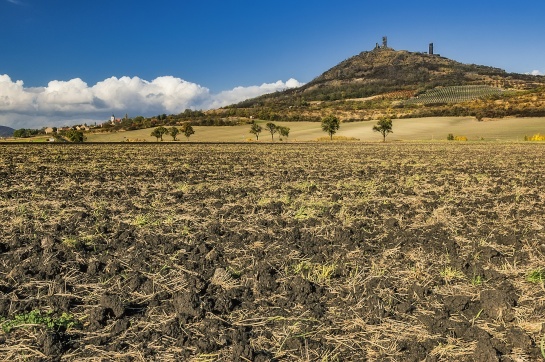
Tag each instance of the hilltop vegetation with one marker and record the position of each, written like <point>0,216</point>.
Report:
<point>385,82</point>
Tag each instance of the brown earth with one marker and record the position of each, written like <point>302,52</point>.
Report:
<point>260,252</point>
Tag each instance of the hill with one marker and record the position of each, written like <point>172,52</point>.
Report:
<point>388,81</point>
<point>6,131</point>
<point>385,70</point>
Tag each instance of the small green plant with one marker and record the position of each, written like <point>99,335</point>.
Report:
<point>450,137</point>
<point>476,280</point>
<point>315,272</point>
<point>144,220</point>
<point>302,267</point>
<point>304,213</point>
<point>450,274</point>
<point>542,346</point>
<point>72,242</point>
<point>536,276</point>
<point>476,317</point>
<point>37,318</point>
<point>207,357</point>
<point>324,273</point>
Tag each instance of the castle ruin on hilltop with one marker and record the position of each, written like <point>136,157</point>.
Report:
<point>384,43</point>
<point>385,46</point>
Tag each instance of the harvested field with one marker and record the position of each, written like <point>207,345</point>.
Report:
<point>272,252</point>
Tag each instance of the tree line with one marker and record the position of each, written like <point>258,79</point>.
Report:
<point>330,125</point>
<point>186,129</point>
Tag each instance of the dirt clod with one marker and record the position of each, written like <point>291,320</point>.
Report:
<point>272,252</point>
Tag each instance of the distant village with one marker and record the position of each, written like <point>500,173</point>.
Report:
<point>76,133</point>
<point>57,133</point>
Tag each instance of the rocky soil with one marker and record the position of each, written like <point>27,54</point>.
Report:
<point>272,252</point>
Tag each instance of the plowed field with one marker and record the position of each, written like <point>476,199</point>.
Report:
<point>272,252</point>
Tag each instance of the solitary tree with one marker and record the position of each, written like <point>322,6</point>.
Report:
<point>383,126</point>
<point>284,131</point>
<point>331,125</point>
<point>188,130</point>
<point>173,131</point>
<point>272,128</point>
<point>256,130</point>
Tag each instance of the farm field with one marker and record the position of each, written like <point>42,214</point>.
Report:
<point>415,129</point>
<point>454,94</point>
<point>272,252</point>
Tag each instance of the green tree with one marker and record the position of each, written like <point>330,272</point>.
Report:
<point>272,129</point>
<point>75,136</point>
<point>173,131</point>
<point>284,131</point>
<point>22,133</point>
<point>161,131</point>
<point>155,133</point>
<point>188,130</point>
<point>331,125</point>
<point>256,130</point>
<point>383,126</point>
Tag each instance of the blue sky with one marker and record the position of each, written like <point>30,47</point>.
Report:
<point>62,61</point>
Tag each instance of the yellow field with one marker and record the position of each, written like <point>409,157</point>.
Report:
<point>416,129</point>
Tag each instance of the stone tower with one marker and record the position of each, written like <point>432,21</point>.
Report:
<point>385,42</point>
<point>431,49</point>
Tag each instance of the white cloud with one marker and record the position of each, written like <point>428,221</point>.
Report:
<point>239,94</point>
<point>13,96</point>
<point>74,101</point>
<point>535,72</point>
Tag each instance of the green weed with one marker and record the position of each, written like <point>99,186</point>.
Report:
<point>542,347</point>
<point>315,272</point>
<point>304,213</point>
<point>144,220</point>
<point>450,274</point>
<point>476,280</point>
<point>72,242</point>
<point>536,276</point>
<point>37,318</point>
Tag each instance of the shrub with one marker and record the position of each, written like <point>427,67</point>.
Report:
<point>536,137</point>
<point>460,138</point>
<point>38,318</point>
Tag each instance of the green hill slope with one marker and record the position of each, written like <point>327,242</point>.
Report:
<point>385,81</point>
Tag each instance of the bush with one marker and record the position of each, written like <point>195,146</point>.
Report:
<point>536,137</point>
